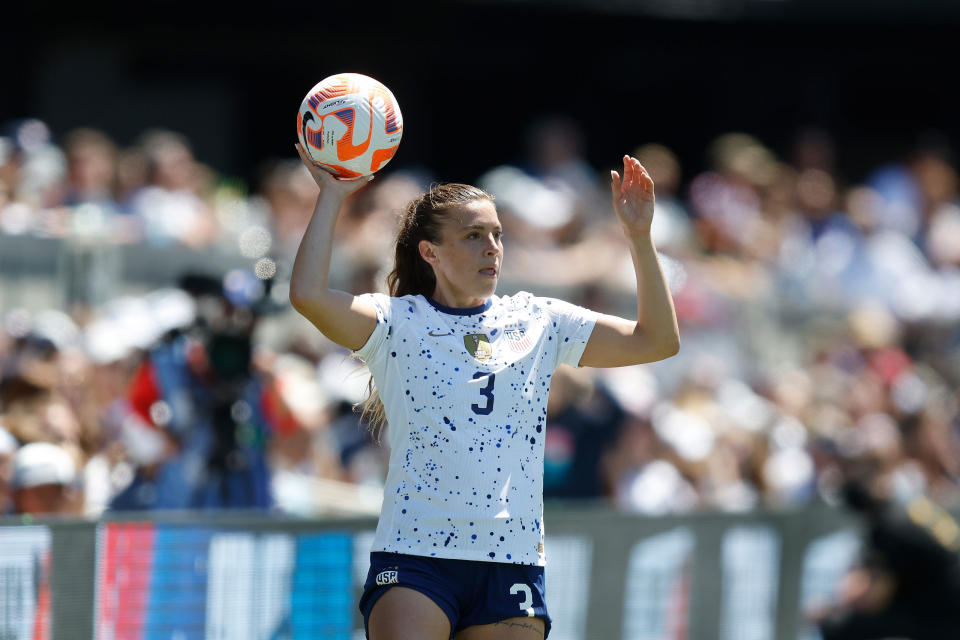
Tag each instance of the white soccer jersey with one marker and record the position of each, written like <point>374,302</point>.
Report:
<point>465,394</point>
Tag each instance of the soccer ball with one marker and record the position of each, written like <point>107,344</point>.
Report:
<point>350,125</point>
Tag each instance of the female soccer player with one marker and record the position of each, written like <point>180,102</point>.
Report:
<point>463,376</point>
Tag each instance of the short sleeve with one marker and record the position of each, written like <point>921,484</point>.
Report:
<point>372,348</point>
<point>572,326</point>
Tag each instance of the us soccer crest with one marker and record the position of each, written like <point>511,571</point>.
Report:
<point>517,339</point>
<point>478,345</point>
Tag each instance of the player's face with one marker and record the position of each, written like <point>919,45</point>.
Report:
<point>467,259</point>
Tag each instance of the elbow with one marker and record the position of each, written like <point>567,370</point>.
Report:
<point>656,350</point>
<point>673,348</point>
<point>300,300</point>
<point>669,347</point>
<point>673,344</point>
<point>303,290</point>
<point>313,305</point>
<point>296,299</point>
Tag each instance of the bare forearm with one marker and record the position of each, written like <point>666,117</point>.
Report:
<point>656,316</point>
<point>339,315</point>
<point>342,317</point>
<point>618,342</point>
<point>311,267</point>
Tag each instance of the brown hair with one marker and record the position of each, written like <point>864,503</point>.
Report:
<point>411,275</point>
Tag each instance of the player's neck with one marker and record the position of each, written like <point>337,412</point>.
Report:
<point>456,300</point>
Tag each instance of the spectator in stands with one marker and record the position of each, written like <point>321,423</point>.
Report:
<point>933,167</point>
<point>673,230</point>
<point>908,583</point>
<point>823,318</point>
<point>172,205</point>
<point>8,172</point>
<point>289,192</point>
<point>727,199</point>
<point>583,422</point>
<point>133,174</point>
<point>43,480</point>
<point>91,168</point>
<point>37,165</point>
<point>555,156</point>
<point>8,447</point>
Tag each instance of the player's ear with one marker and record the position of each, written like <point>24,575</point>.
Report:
<point>427,251</point>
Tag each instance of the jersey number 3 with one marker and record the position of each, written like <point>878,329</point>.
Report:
<point>486,392</point>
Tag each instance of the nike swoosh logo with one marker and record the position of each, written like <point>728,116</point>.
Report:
<point>438,335</point>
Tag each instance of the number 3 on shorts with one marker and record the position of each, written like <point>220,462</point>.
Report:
<point>527,604</point>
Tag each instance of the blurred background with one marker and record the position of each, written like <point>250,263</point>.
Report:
<point>807,215</point>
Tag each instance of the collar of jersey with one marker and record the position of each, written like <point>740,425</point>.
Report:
<point>455,311</point>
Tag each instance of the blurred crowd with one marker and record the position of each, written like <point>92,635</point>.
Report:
<point>819,315</point>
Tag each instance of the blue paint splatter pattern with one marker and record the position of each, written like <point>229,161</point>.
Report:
<point>465,394</point>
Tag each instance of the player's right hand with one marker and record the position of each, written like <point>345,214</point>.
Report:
<point>330,185</point>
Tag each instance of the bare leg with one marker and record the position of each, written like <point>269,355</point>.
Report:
<point>509,629</point>
<point>405,614</point>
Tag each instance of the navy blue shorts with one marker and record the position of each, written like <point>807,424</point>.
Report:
<point>469,592</point>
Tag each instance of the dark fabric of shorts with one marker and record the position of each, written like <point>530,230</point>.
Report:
<point>469,592</point>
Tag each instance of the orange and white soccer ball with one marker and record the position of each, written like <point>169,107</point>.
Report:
<point>350,124</point>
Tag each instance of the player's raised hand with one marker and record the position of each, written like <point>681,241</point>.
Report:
<point>633,196</point>
<point>326,181</point>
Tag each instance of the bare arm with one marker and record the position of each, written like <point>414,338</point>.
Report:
<point>342,317</point>
<point>616,342</point>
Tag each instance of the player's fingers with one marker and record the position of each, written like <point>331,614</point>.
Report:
<point>638,167</point>
<point>644,176</point>
<point>303,156</point>
<point>643,170</point>
<point>615,184</point>
<point>354,184</point>
<point>628,174</point>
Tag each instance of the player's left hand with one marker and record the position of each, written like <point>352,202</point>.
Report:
<point>633,196</point>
